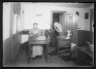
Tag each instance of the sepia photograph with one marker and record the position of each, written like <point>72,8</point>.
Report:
<point>48,34</point>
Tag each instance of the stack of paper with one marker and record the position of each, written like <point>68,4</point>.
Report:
<point>41,38</point>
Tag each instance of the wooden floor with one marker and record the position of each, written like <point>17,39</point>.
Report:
<point>53,61</point>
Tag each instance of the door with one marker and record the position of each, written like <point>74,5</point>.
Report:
<point>91,20</point>
<point>71,24</point>
<point>63,23</point>
<point>92,25</point>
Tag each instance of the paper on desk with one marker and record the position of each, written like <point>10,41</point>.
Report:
<point>41,38</point>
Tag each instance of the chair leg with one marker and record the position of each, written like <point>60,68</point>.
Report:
<point>29,54</point>
<point>58,53</point>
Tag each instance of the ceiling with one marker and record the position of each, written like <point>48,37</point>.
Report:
<point>74,5</point>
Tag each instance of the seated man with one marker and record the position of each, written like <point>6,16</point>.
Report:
<point>34,33</point>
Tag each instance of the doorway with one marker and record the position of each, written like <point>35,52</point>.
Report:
<point>58,16</point>
<point>92,25</point>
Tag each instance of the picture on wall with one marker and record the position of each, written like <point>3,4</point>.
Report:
<point>86,15</point>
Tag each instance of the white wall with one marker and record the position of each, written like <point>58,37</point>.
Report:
<point>31,13</point>
<point>9,50</point>
<point>6,20</point>
<point>84,24</point>
<point>32,10</point>
<point>6,27</point>
<point>92,7</point>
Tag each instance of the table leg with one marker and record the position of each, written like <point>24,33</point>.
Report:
<point>46,53</point>
<point>29,54</point>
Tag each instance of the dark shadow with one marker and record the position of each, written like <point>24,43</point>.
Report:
<point>7,51</point>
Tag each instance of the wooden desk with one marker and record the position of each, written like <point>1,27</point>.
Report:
<point>87,52</point>
<point>43,43</point>
<point>85,56</point>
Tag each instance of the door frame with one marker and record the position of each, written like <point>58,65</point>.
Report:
<point>91,18</point>
<point>54,11</point>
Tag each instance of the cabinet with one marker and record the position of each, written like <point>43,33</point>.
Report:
<point>84,58</point>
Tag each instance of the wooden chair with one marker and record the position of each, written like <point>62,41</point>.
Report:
<point>64,46</point>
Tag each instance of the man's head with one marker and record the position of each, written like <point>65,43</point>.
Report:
<point>35,25</point>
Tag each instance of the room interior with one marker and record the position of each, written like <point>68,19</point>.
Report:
<point>19,19</point>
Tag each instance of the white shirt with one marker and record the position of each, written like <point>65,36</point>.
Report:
<point>58,27</point>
